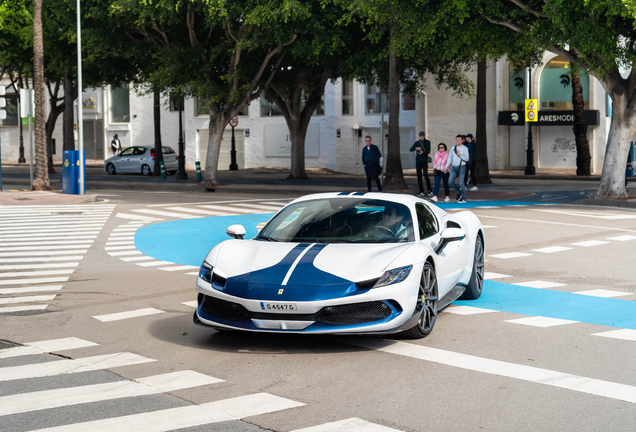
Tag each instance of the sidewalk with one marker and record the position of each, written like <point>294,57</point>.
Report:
<point>42,198</point>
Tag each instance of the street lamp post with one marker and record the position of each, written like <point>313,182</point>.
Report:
<point>80,105</point>
<point>21,159</point>
<point>530,169</point>
<point>233,164</point>
<point>181,173</point>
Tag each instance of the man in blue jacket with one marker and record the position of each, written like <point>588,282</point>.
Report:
<point>472,161</point>
<point>371,160</point>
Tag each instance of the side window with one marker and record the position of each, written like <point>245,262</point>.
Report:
<point>128,151</point>
<point>426,220</point>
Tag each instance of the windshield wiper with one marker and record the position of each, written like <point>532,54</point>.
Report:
<point>266,238</point>
<point>329,241</point>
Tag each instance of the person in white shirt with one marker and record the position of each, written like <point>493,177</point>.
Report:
<point>457,163</point>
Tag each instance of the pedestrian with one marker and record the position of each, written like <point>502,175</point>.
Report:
<point>115,145</point>
<point>371,159</point>
<point>457,164</point>
<point>441,172</point>
<point>423,149</point>
<point>472,161</point>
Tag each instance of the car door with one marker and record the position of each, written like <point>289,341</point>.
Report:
<point>138,159</point>
<point>123,161</point>
<point>448,262</point>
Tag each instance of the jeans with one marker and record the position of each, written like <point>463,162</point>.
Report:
<point>438,179</point>
<point>419,167</point>
<point>458,172</point>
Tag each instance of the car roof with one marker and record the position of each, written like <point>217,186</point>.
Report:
<point>406,199</point>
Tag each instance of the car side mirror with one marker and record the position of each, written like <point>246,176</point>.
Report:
<point>236,231</point>
<point>447,236</point>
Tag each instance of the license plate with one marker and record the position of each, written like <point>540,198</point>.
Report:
<point>278,306</point>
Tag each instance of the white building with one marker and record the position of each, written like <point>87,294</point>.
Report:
<point>336,133</point>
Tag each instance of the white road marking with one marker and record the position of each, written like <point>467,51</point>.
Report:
<point>539,321</point>
<point>557,223</point>
<point>121,236</point>
<point>124,253</point>
<point>22,308</point>
<point>193,304</point>
<point>539,284</point>
<point>36,273</point>
<point>467,310</point>
<point>164,213</point>
<point>32,280</point>
<point>588,214</point>
<point>590,243</point>
<point>510,255</point>
<point>154,263</point>
<point>227,210</point>
<point>136,258</point>
<point>37,266</point>
<point>491,276</point>
<point>63,236</point>
<point>268,208</point>
<point>28,299</point>
<point>273,200</point>
<point>42,248</point>
<point>47,399</point>
<point>196,211</point>
<point>120,243</point>
<point>60,367</point>
<point>136,217</point>
<point>603,293</point>
<point>50,241</point>
<point>488,226</point>
<point>562,380</point>
<point>42,259</point>
<point>623,238</point>
<point>348,425</point>
<point>193,273</point>
<point>7,291</point>
<point>552,249</point>
<point>116,248</point>
<point>188,416</point>
<point>488,207</point>
<point>11,227</point>
<point>126,315</point>
<point>40,254</point>
<point>46,346</point>
<point>179,268</point>
<point>623,334</point>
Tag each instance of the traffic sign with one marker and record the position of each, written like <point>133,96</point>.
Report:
<point>532,110</point>
<point>234,122</point>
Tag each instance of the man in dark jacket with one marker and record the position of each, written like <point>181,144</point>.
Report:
<point>423,149</point>
<point>371,160</point>
<point>472,161</point>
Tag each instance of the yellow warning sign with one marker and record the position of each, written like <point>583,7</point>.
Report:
<point>532,110</point>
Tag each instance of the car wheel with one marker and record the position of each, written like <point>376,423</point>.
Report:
<point>145,170</point>
<point>172,172</point>
<point>110,169</point>
<point>476,283</point>
<point>427,300</point>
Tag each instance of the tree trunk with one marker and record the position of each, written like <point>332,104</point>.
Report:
<point>583,156</point>
<point>156,100</point>
<point>482,171</point>
<point>394,175</point>
<point>69,112</point>
<point>297,134</point>
<point>216,126</point>
<point>41,176</point>
<point>50,127</point>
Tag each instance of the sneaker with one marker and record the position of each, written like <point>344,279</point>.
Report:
<point>434,198</point>
<point>447,199</point>
<point>461,201</point>
<point>474,188</point>
<point>420,195</point>
<point>430,194</point>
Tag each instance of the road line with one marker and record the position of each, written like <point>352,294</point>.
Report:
<point>32,281</point>
<point>223,202</point>
<point>539,284</point>
<point>349,425</point>
<point>11,244</point>
<point>539,321</point>
<point>587,214</point>
<point>22,308</point>
<point>46,346</point>
<point>28,299</point>
<point>57,398</point>
<point>50,225</point>
<point>185,417</point>
<point>197,211</point>
<point>116,235</point>
<point>7,291</point>
<point>124,253</point>
<point>467,310</point>
<point>136,258</point>
<point>552,249</point>
<point>60,231</point>
<point>547,377</point>
<point>136,217</point>
<point>60,367</point>
<point>118,248</point>
<point>590,243</point>
<point>120,243</point>
<point>42,254</point>
<point>268,208</point>
<point>603,293</point>
<point>622,334</point>
<point>154,263</point>
<point>126,315</point>
<point>227,210</point>
<point>164,213</point>
<point>192,303</point>
<point>36,273</point>
<point>62,236</point>
<point>510,255</point>
<point>38,266</point>
<point>179,268</point>
<point>623,238</point>
<point>557,223</point>
<point>490,276</point>
<point>42,248</point>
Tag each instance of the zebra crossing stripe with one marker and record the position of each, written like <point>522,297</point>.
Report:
<point>28,299</point>
<point>47,399</point>
<point>348,425</point>
<point>36,273</point>
<point>33,254</point>
<point>62,236</point>
<point>37,266</point>
<point>46,346</point>
<point>136,217</point>
<point>196,211</point>
<point>41,259</point>
<point>5,291</point>
<point>32,280</point>
<point>164,213</point>
<point>179,268</point>
<point>269,208</point>
<point>60,367</point>
<point>125,315</point>
<point>188,416</point>
<point>226,210</point>
<point>22,308</point>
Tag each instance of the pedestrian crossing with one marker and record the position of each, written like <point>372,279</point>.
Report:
<point>100,394</point>
<point>41,246</point>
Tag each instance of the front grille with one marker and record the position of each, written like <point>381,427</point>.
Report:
<point>354,313</point>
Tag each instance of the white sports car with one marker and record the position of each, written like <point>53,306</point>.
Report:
<point>344,263</point>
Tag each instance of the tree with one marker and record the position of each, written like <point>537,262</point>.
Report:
<point>41,177</point>
<point>599,36</point>
<point>583,156</point>
<point>482,172</point>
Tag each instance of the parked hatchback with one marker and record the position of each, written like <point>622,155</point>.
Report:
<point>139,159</point>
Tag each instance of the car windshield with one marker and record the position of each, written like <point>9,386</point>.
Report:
<point>341,220</point>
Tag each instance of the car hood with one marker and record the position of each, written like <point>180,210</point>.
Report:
<point>300,271</point>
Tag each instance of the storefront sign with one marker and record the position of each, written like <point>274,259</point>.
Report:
<point>547,118</point>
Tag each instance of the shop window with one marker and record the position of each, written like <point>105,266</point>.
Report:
<point>347,97</point>
<point>11,109</point>
<point>120,104</point>
<point>556,86</point>
<point>201,108</point>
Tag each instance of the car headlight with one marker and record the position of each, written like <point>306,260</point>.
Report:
<point>205,272</point>
<point>393,276</point>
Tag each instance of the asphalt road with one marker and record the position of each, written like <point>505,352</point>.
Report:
<point>549,346</point>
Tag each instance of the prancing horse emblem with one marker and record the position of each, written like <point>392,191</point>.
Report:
<point>280,291</point>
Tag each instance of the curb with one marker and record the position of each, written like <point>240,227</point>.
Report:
<point>626,203</point>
